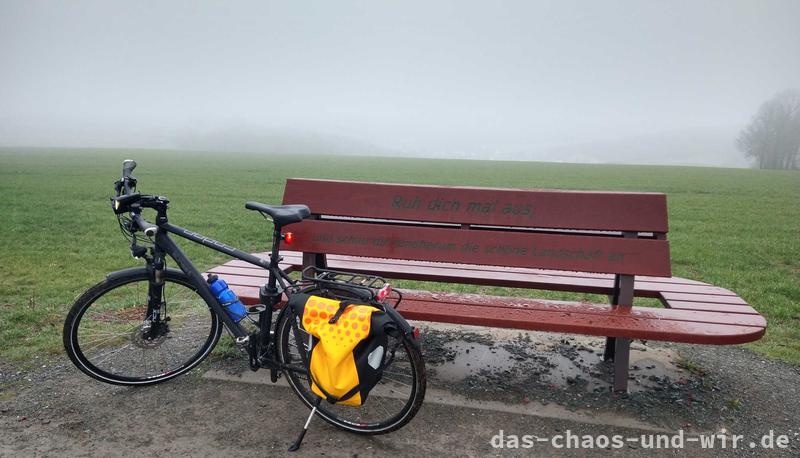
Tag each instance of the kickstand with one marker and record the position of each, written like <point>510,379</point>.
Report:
<point>296,445</point>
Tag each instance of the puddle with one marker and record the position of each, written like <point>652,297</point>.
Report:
<point>550,360</point>
<point>472,357</point>
<point>588,370</point>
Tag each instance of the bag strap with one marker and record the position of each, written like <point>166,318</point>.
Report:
<point>342,306</point>
<point>331,398</point>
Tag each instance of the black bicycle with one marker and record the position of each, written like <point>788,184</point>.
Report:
<point>149,324</point>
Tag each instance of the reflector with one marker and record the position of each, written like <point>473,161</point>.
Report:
<point>383,292</point>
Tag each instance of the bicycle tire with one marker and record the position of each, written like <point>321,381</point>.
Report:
<point>107,311</point>
<point>354,419</point>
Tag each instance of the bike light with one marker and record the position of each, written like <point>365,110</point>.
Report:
<point>383,292</point>
<point>415,332</point>
<point>288,238</point>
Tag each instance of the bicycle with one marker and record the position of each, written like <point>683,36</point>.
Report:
<point>146,325</point>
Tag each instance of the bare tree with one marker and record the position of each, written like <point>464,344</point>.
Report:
<point>773,136</point>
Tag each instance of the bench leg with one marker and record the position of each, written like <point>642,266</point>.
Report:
<point>619,348</point>
<point>315,259</point>
<point>622,357</point>
<point>608,354</point>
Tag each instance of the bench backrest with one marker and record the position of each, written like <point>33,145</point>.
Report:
<point>606,232</point>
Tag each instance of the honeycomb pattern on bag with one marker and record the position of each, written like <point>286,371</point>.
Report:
<point>351,327</point>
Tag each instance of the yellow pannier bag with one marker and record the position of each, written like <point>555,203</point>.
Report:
<point>348,346</point>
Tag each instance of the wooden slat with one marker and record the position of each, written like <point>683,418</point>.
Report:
<point>295,258</point>
<point>433,274</point>
<point>727,308</point>
<point>712,299</point>
<point>611,211</point>
<point>531,278</point>
<point>247,294</point>
<point>386,265</point>
<point>577,323</point>
<point>506,279</point>
<point>493,276</point>
<point>586,308</point>
<point>560,252</point>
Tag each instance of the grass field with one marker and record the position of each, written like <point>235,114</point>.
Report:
<point>739,229</point>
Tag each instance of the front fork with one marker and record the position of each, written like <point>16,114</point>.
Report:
<point>155,319</point>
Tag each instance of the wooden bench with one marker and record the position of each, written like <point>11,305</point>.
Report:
<point>607,243</point>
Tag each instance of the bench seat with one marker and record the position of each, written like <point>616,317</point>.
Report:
<point>694,312</point>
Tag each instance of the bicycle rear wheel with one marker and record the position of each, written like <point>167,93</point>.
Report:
<point>392,403</point>
<point>106,336</point>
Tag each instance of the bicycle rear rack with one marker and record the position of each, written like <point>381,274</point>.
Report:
<point>362,286</point>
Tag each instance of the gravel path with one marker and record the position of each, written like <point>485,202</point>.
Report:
<point>52,409</point>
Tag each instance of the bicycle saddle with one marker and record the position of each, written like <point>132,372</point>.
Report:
<point>281,214</point>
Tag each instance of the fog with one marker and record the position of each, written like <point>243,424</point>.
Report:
<point>627,82</point>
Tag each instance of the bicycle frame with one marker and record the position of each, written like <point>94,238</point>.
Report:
<point>270,294</point>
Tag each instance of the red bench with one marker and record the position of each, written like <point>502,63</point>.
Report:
<point>606,243</point>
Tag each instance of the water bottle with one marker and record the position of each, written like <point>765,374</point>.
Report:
<point>232,304</point>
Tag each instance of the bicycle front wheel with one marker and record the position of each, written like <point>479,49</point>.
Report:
<point>107,337</point>
<point>392,403</point>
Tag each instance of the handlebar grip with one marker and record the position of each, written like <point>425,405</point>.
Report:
<point>148,229</point>
<point>127,167</point>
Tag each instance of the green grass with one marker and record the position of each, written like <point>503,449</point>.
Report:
<point>739,229</point>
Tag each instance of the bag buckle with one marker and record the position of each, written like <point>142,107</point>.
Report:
<point>342,306</point>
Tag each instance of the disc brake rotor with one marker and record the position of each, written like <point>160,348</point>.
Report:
<point>150,338</point>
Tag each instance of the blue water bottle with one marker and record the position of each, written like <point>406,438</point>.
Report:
<point>232,304</point>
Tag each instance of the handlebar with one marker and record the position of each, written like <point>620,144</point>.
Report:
<point>148,229</point>
<point>127,167</point>
<point>127,183</point>
<point>129,201</point>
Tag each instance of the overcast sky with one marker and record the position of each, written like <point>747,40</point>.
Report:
<point>585,81</point>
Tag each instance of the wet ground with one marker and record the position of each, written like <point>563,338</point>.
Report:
<point>665,389</point>
<point>480,382</point>
<point>456,356</point>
